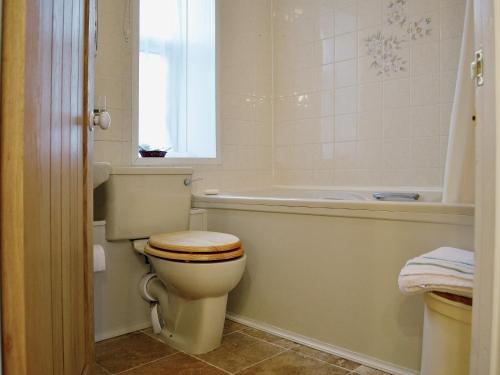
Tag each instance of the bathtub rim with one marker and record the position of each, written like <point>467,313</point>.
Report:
<point>430,212</point>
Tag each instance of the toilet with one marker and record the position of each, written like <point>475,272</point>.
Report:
<point>193,271</point>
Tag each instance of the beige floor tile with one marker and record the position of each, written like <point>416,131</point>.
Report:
<point>270,338</point>
<point>293,363</point>
<point>147,331</point>
<point>100,371</point>
<point>178,364</point>
<point>327,357</point>
<point>123,353</point>
<point>239,351</point>
<point>150,333</point>
<point>230,327</point>
<point>364,370</point>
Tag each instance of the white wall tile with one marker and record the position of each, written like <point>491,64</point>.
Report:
<point>345,155</point>
<point>345,19</point>
<point>370,97</point>
<point>425,121</point>
<point>345,46</point>
<point>369,13</point>
<point>452,20</point>
<point>345,100</point>
<point>370,125</point>
<point>391,117</point>
<point>425,90</point>
<point>345,73</point>
<point>397,123</point>
<point>396,93</point>
<point>345,128</point>
<point>339,118</point>
<point>425,58</point>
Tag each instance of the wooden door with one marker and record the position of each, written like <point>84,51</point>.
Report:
<point>45,187</point>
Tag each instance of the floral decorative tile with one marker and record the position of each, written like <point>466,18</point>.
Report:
<point>384,50</point>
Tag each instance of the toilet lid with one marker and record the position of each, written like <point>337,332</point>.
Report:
<point>193,257</point>
<point>195,242</point>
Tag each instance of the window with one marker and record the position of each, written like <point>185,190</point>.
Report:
<point>175,77</point>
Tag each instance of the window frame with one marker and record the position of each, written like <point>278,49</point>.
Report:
<point>180,160</point>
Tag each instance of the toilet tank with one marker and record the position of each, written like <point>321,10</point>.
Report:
<point>141,201</point>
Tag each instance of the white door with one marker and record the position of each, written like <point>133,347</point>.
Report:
<point>485,356</point>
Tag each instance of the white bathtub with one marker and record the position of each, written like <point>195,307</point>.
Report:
<point>324,271</point>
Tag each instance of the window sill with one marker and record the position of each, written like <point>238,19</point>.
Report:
<point>175,161</point>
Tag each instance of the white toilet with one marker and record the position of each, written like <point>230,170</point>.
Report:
<point>194,270</point>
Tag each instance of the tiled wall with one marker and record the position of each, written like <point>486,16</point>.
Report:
<point>113,79</point>
<point>244,91</point>
<point>363,90</point>
<point>358,92</point>
<point>245,97</point>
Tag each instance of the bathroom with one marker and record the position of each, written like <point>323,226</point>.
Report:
<point>296,156</point>
<point>306,109</point>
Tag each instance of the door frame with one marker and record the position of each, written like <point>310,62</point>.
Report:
<point>485,345</point>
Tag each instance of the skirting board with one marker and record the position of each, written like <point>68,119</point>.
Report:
<point>122,331</point>
<point>328,348</point>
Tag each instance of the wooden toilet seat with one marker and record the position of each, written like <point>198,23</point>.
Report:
<point>194,246</point>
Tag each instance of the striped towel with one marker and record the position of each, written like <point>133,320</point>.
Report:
<point>445,269</point>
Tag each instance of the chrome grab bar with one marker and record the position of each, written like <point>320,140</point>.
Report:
<point>390,196</point>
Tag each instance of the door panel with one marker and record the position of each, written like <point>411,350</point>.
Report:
<point>485,349</point>
<point>45,149</point>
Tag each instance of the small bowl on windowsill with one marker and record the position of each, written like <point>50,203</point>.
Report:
<point>147,153</point>
<point>152,153</point>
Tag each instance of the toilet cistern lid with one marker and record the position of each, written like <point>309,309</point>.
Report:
<point>195,241</point>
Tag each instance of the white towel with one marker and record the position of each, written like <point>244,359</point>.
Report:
<point>445,269</point>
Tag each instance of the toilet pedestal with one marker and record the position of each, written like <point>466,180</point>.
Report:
<point>192,326</point>
<point>200,329</point>
<point>193,299</point>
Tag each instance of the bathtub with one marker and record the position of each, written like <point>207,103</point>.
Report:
<point>323,265</point>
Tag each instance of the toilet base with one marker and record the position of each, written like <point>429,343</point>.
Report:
<point>193,326</point>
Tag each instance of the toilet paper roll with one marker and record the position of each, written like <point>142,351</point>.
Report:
<point>99,259</point>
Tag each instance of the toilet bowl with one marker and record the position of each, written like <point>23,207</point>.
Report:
<point>195,271</point>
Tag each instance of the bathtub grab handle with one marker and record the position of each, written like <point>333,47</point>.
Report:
<point>390,196</point>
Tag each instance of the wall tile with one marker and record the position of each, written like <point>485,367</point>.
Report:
<point>345,46</point>
<point>370,125</point>
<point>369,13</point>
<point>397,123</point>
<point>452,20</point>
<point>345,128</point>
<point>370,97</point>
<point>396,93</point>
<point>339,113</point>
<point>425,58</point>
<point>345,155</point>
<point>345,100</point>
<point>393,87</point>
<point>426,152</point>
<point>345,73</point>
<point>425,90</point>
<point>425,121</point>
<point>345,19</point>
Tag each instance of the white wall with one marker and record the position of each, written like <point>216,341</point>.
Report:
<point>350,112</point>
<point>244,90</point>
<point>299,102</point>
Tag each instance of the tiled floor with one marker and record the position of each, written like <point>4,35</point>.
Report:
<point>243,351</point>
